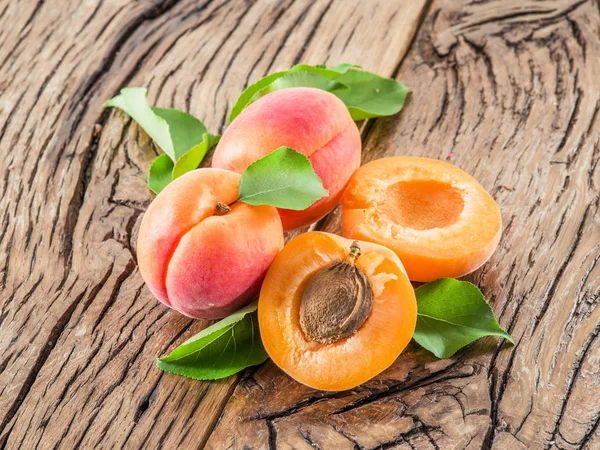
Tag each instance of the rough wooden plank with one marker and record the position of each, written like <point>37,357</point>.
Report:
<point>507,90</point>
<point>80,332</point>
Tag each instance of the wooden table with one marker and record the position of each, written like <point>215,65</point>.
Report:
<point>507,90</point>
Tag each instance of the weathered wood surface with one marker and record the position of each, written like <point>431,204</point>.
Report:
<point>80,332</point>
<point>507,90</point>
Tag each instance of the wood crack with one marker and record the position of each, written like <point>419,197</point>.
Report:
<point>399,387</point>
<point>308,438</point>
<point>496,395</point>
<point>311,35</point>
<point>272,435</point>
<point>559,274</point>
<point>571,121</point>
<point>288,33</point>
<point>571,382</point>
<point>43,355</point>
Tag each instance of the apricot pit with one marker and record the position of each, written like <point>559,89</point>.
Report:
<point>336,301</point>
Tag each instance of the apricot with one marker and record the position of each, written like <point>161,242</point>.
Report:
<point>438,219</point>
<point>334,313</point>
<point>311,121</point>
<point>200,251</point>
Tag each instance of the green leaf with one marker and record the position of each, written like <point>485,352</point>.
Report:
<point>365,94</point>
<point>220,350</point>
<point>327,72</point>
<point>213,139</point>
<point>186,131</point>
<point>133,102</point>
<point>343,68</point>
<point>284,178</point>
<point>192,158</point>
<point>174,131</point>
<point>299,79</point>
<point>301,75</point>
<point>452,314</point>
<point>369,95</point>
<point>160,173</point>
<point>180,135</point>
<point>246,97</point>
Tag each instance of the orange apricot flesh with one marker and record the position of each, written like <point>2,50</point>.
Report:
<point>352,360</point>
<point>202,262</point>
<point>437,218</point>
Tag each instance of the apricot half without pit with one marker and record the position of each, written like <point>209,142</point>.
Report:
<point>437,218</point>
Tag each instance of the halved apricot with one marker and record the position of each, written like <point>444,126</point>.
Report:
<point>437,218</point>
<point>334,313</point>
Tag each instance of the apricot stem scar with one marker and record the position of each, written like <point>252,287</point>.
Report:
<point>221,209</point>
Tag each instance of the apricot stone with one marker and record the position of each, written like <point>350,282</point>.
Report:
<point>311,121</point>
<point>203,260</point>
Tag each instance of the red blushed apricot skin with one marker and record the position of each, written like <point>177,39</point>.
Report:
<point>200,264</point>
<point>311,121</point>
<point>223,260</point>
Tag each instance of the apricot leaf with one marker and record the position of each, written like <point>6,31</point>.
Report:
<point>299,79</point>
<point>320,69</point>
<point>179,134</point>
<point>364,93</point>
<point>220,350</point>
<point>369,95</point>
<point>246,97</point>
<point>451,315</point>
<point>159,175</point>
<point>194,156</point>
<point>343,68</point>
<point>186,131</point>
<point>306,76</point>
<point>133,102</point>
<point>284,178</point>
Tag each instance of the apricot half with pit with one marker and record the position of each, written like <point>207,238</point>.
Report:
<point>437,218</point>
<point>333,313</point>
<point>202,252</point>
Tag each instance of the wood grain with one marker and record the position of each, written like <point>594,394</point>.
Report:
<point>506,90</point>
<point>79,331</point>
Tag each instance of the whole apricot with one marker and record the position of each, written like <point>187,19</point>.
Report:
<point>311,121</point>
<point>200,251</point>
<point>333,313</point>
